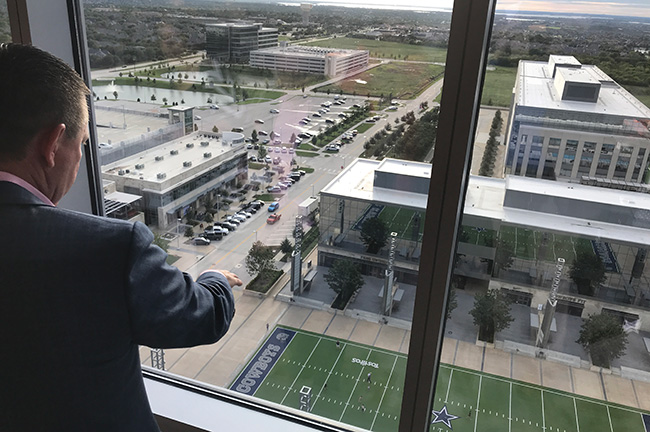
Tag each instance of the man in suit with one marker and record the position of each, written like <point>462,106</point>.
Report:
<point>79,293</point>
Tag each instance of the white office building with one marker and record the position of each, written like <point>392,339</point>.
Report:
<point>174,177</point>
<point>570,121</point>
<point>326,61</point>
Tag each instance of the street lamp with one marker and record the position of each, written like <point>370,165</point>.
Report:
<point>218,207</point>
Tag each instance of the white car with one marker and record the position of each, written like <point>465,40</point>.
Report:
<point>274,111</point>
<point>260,121</point>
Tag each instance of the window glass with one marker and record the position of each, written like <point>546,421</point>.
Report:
<point>547,321</point>
<point>273,112</point>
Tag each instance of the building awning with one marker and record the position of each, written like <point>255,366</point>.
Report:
<point>116,200</point>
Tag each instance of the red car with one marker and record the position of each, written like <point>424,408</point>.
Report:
<point>273,218</point>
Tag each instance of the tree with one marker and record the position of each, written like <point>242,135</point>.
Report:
<point>293,138</point>
<point>503,256</point>
<point>153,97</point>
<point>374,234</point>
<point>261,153</point>
<point>159,241</point>
<point>215,129</point>
<point>115,94</point>
<point>189,232</point>
<point>164,100</point>
<point>491,314</point>
<point>603,336</point>
<point>254,135</point>
<point>344,278</point>
<point>286,246</point>
<point>588,272</point>
<point>259,259</point>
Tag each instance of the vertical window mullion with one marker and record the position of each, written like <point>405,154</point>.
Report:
<point>466,56</point>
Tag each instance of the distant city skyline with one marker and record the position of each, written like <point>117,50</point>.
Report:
<point>629,8</point>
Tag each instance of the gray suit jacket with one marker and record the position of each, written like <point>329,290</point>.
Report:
<point>79,293</point>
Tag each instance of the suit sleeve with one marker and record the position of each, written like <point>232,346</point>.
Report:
<point>167,308</point>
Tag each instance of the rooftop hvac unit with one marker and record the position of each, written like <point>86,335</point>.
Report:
<point>207,155</point>
<point>161,175</point>
<point>121,172</point>
<point>205,143</point>
<point>159,158</point>
<point>187,164</point>
<point>189,145</point>
<point>173,152</point>
<point>139,166</point>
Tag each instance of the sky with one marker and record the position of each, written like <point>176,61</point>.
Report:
<point>640,8</point>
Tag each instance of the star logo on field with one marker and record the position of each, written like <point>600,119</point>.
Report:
<point>443,416</point>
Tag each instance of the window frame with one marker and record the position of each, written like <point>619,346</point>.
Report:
<point>471,26</point>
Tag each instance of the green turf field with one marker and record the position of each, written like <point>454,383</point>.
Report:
<point>527,244</point>
<point>465,400</point>
<point>401,221</point>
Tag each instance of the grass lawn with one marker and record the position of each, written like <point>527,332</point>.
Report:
<point>305,146</point>
<point>641,93</point>
<point>306,169</point>
<point>363,386</point>
<point>403,80</point>
<point>306,153</point>
<point>498,86</point>
<point>385,49</point>
<point>364,127</point>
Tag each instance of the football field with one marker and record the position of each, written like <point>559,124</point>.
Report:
<point>363,386</point>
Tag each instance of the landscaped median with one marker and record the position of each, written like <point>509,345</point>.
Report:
<point>264,281</point>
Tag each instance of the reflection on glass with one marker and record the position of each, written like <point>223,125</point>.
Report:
<point>296,140</point>
<point>549,325</point>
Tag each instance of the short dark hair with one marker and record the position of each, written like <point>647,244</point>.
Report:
<point>37,91</point>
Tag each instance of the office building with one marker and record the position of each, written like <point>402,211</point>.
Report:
<point>330,62</point>
<point>174,177</point>
<point>570,120</point>
<point>537,220</point>
<point>233,42</point>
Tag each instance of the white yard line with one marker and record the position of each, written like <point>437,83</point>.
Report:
<point>544,415</point>
<point>328,376</point>
<point>383,394</point>
<point>301,369</point>
<point>575,408</point>
<point>610,420</point>
<point>269,372</point>
<point>478,399</point>
<point>510,410</point>
<point>355,387</point>
<point>449,385</point>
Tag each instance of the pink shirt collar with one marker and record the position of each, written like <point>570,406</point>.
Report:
<point>8,177</point>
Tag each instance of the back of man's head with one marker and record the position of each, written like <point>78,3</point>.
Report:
<point>37,91</point>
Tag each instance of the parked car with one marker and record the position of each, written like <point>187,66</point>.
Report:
<point>273,218</point>
<point>201,241</point>
<point>268,159</point>
<point>316,115</point>
<point>259,121</point>
<point>244,213</point>
<point>273,189</point>
<point>227,225</point>
<point>332,148</point>
<point>213,106</point>
<point>274,111</point>
<point>249,146</point>
<point>252,159</point>
<point>273,206</point>
<point>262,132</point>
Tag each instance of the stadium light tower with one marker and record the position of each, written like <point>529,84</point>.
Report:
<point>544,328</point>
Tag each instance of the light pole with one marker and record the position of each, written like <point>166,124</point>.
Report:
<point>178,235</point>
<point>312,190</point>
<point>218,207</point>
<point>255,235</point>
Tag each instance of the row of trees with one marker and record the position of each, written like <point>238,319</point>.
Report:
<point>491,147</point>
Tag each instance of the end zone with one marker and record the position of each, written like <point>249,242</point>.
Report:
<point>252,376</point>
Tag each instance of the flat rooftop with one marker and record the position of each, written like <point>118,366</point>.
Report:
<point>308,51</point>
<point>537,90</point>
<point>110,124</point>
<point>485,197</point>
<point>160,160</point>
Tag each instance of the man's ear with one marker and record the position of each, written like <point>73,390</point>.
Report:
<point>48,143</point>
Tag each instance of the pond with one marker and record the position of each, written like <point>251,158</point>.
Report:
<point>182,97</point>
